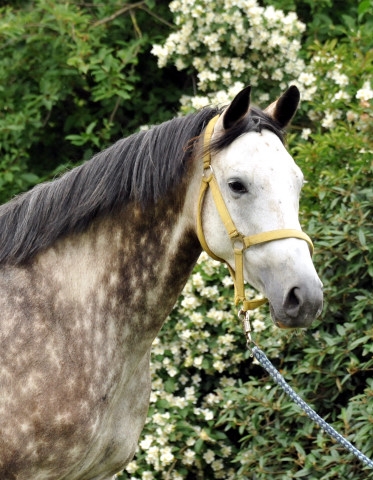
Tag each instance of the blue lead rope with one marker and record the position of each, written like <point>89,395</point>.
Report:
<point>279,379</point>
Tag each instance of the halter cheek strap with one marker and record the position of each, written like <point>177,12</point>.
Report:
<point>239,242</point>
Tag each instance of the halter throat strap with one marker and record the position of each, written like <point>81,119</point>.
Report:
<point>239,242</point>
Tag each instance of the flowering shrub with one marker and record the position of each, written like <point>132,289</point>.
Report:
<point>226,41</point>
<point>70,76</point>
<point>337,84</point>
<point>214,412</point>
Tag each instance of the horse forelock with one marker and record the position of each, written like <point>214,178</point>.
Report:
<point>141,168</point>
<point>256,121</point>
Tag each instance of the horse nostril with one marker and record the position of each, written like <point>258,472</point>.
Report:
<point>293,302</point>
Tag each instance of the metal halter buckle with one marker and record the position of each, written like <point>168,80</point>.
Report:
<point>207,172</point>
<point>245,319</point>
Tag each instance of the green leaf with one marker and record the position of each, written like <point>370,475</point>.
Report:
<point>364,6</point>
<point>30,177</point>
<point>361,236</point>
<point>198,445</point>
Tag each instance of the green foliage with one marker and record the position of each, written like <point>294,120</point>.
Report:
<point>235,423</point>
<point>74,77</point>
<point>327,19</point>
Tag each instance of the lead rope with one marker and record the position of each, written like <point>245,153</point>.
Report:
<point>279,379</point>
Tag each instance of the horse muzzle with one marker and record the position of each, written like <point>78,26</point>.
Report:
<point>297,307</point>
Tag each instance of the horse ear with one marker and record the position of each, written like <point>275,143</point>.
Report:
<point>237,109</point>
<point>283,109</point>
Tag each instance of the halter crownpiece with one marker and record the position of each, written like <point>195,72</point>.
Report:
<point>239,242</point>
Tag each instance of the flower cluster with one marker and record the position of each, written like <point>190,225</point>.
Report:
<point>228,43</point>
<point>195,358</point>
<point>335,87</point>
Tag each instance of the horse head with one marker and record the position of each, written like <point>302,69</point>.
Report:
<point>260,185</point>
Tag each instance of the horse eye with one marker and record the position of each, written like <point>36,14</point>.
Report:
<point>237,187</point>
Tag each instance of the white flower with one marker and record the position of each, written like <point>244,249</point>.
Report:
<point>199,63</point>
<point>215,314</point>
<point>277,75</point>
<point>235,88</point>
<point>352,116</point>
<point>153,397</point>
<point>226,451</point>
<point>207,414</point>
<point>152,454</point>
<point>227,78</point>
<point>166,456</point>
<point>161,53</point>
<point>197,362</point>
<point>191,440</point>
<point>306,132</point>
<point>197,319</point>
<point>147,475</point>
<point>131,467</point>
<point>227,281</point>
<point>206,75</point>
<point>203,258</point>
<point>145,444</point>
<point>158,419</point>
<point>212,42</point>
<point>309,93</point>
<point>179,64</point>
<point>219,365</point>
<point>341,95</point>
<point>179,402</point>
<point>272,15</point>
<point>217,465</point>
<point>228,338</point>
<point>339,78</point>
<point>209,456</point>
<point>264,97</point>
<point>210,292</point>
<point>197,280</point>
<point>210,266</point>
<point>189,456</point>
<point>196,378</point>
<point>190,394</point>
<point>172,371</point>
<point>175,5</point>
<point>238,65</point>
<point>177,476</point>
<point>328,121</point>
<point>307,78</point>
<point>365,93</point>
<point>186,334</point>
<point>188,287</point>
<point>221,98</point>
<point>226,381</point>
<point>199,102</point>
<point>212,398</point>
<point>190,302</point>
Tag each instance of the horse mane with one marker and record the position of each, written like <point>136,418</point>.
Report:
<point>141,168</point>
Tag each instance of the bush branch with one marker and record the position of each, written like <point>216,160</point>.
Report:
<point>118,13</point>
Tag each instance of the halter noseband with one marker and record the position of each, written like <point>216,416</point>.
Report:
<point>239,242</point>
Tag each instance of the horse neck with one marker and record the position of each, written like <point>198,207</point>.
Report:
<point>129,266</point>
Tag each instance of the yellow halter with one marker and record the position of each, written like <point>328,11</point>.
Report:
<point>239,242</point>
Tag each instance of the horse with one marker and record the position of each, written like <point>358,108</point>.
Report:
<point>92,263</point>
